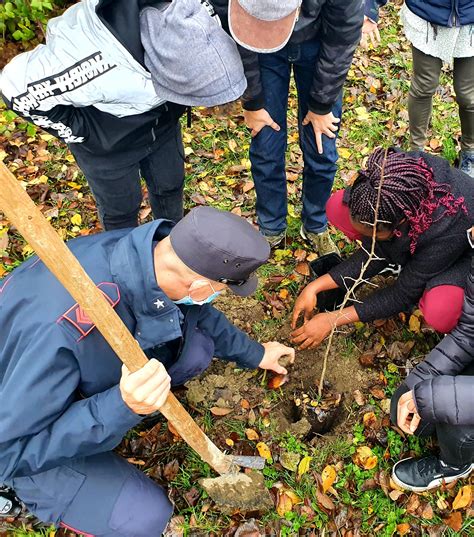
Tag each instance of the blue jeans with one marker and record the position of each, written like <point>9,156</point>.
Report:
<point>267,150</point>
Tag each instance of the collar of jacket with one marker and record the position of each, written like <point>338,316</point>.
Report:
<point>131,264</point>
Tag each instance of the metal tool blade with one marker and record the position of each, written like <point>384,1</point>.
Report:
<point>256,463</point>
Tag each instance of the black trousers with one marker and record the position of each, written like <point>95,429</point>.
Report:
<point>115,178</point>
<point>456,442</point>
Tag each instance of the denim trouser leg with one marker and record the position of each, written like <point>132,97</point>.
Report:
<point>115,182</point>
<point>319,169</point>
<point>267,149</point>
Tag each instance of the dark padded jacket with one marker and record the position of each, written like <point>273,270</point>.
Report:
<point>441,256</point>
<point>440,12</point>
<point>59,378</point>
<point>338,25</point>
<point>442,395</point>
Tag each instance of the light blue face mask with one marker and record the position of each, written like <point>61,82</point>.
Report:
<point>188,301</point>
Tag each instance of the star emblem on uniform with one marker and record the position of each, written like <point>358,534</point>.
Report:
<point>159,303</point>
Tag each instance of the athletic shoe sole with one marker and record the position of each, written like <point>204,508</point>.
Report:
<point>433,484</point>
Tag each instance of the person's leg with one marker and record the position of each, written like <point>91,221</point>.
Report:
<point>464,89</point>
<point>456,442</point>
<point>424,81</point>
<point>267,149</point>
<point>442,306</point>
<point>163,171</point>
<point>102,495</point>
<point>338,215</point>
<point>117,191</point>
<point>319,169</point>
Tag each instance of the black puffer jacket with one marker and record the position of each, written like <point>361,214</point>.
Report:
<point>337,23</point>
<point>442,395</point>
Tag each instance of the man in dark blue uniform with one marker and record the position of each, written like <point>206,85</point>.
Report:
<point>65,400</point>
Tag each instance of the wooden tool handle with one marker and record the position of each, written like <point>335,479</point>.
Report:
<point>30,222</point>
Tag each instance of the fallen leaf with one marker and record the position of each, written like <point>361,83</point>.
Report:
<point>414,324</point>
<point>303,466</point>
<point>76,219</point>
<point>303,268</point>
<point>359,398</point>
<point>170,471</point>
<point>251,434</point>
<point>367,359</point>
<point>369,419</point>
<point>395,494</point>
<point>454,521</point>
<point>403,529</point>
<point>264,450</point>
<point>176,527</point>
<point>365,458</point>
<point>229,442</point>
<point>324,500</point>
<point>377,392</point>
<point>138,462</point>
<point>413,504</point>
<point>427,512</point>
<point>284,505</point>
<point>290,460</point>
<point>245,404</point>
<point>442,503</point>
<point>463,498</point>
<point>248,185</point>
<point>328,476</point>
<point>219,411</point>
<point>276,381</point>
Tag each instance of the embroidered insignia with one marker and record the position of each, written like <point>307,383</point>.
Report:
<point>79,318</point>
<point>159,303</point>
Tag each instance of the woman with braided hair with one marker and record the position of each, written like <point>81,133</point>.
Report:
<point>425,208</point>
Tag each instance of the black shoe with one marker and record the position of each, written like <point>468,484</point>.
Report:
<point>427,473</point>
<point>10,506</point>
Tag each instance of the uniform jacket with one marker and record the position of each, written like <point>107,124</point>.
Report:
<point>337,23</point>
<point>442,394</point>
<point>88,84</point>
<point>59,393</point>
<point>440,12</point>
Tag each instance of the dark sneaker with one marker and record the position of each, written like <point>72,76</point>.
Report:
<point>427,473</point>
<point>10,506</point>
<point>321,242</point>
<point>466,162</point>
<point>275,240</point>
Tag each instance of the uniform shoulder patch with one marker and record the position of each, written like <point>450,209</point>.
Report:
<point>79,319</point>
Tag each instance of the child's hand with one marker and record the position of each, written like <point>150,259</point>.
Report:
<point>325,124</point>
<point>306,304</point>
<point>257,119</point>
<point>313,332</point>
<point>407,416</point>
<point>370,30</point>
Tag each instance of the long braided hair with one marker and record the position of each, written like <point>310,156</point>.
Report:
<point>408,192</point>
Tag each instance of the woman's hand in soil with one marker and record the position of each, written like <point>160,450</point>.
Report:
<point>313,332</point>
<point>305,304</point>
<point>407,415</point>
<point>145,391</point>
<point>273,352</point>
